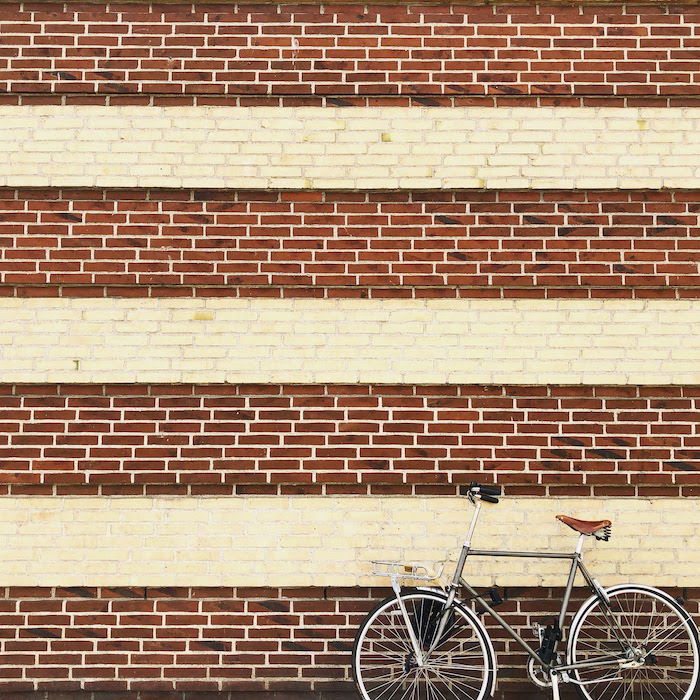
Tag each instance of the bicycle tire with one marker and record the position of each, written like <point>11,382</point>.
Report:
<point>462,666</point>
<point>658,628</point>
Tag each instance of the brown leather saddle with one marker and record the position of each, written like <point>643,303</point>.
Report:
<point>600,529</point>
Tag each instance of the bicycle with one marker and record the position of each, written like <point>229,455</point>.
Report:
<point>424,643</point>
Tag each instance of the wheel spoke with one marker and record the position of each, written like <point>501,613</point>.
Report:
<point>661,655</point>
<point>384,660</point>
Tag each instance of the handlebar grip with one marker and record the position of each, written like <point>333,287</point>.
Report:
<point>490,490</point>
<point>487,498</point>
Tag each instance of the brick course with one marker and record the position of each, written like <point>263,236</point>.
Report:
<point>347,50</point>
<point>590,244</point>
<point>137,639</point>
<point>189,640</point>
<point>350,148</point>
<point>327,540</point>
<point>344,439</point>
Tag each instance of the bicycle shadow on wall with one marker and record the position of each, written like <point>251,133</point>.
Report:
<point>625,642</point>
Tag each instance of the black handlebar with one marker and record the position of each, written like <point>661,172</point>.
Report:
<point>490,490</point>
<point>485,493</point>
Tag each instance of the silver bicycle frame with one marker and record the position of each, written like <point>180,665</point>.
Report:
<point>576,565</point>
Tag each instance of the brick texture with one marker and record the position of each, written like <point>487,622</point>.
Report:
<point>225,96</point>
<point>633,244</point>
<point>633,53</point>
<point>331,540</point>
<point>382,341</point>
<point>342,439</point>
<point>357,148</point>
<point>154,640</point>
<point>193,640</point>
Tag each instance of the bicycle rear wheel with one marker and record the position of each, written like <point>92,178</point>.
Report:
<point>653,637</point>
<point>461,667</point>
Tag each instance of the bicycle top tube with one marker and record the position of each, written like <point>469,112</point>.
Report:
<point>524,554</point>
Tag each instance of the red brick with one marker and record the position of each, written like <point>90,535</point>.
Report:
<point>308,654</point>
<point>345,439</point>
<point>466,244</point>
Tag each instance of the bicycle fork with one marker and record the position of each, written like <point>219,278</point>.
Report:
<point>444,617</point>
<point>411,632</point>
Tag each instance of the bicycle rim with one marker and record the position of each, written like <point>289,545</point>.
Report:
<point>384,664</point>
<point>656,644</point>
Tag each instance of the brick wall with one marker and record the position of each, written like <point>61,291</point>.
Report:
<point>640,55</point>
<point>246,640</point>
<point>629,244</point>
<point>307,540</point>
<point>451,242</point>
<point>359,148</point>
<point>383,341</point>
<point>339,439</point>
<point>150,639</point>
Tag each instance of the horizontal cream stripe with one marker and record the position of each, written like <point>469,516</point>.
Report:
<point>336,147</point>
<point>347,340</point>
<point>290,541</point>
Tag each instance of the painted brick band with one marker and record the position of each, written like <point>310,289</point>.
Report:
<point>350,148</point>
<point>217,639</point>
<point>630,244</point>
<point>340,439</point>
<point>331,540</point>
<point>386,341</point>
<point>349,50</point>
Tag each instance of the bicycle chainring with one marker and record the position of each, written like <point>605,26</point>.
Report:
<point>537,675</point>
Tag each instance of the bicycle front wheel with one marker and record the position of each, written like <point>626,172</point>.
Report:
<point>651,638</point>
<point>460,667</point>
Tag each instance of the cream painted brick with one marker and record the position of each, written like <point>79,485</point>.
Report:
<point>269,147</point>
<point>328,540</point>
<point>350,340</point>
